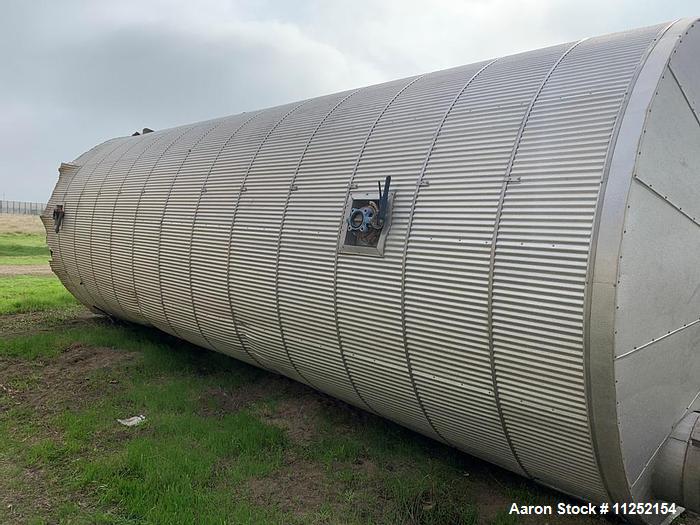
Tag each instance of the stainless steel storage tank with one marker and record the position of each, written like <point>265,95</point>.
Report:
<point>531,297</point>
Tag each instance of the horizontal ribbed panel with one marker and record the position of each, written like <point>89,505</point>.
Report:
<point>71,239</point>
<point>397,146</point>
<point>149,224</point>
<point>449,251</point>
<point>120,268</point>
<point>225,233</point>
<point>210,279</point>
<point>542,257</point>
<point>307,250</point>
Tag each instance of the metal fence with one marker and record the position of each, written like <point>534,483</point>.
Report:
<point>22,208</point>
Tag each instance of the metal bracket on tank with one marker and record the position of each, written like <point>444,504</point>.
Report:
<point>67,166</point>
<point>367,221</point>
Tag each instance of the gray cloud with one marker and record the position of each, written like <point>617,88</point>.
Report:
<point>75,73</point>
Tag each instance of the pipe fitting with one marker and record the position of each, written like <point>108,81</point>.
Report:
<point>677,473</point>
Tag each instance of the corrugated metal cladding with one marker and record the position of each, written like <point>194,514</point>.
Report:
<point>469,329</point>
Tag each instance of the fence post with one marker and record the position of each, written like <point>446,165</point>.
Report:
<point>22,207</point>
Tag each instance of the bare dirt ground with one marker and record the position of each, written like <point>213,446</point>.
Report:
<point>45,387</point>
<point>303,485</point>
<point>10,270</point>
<point>35,322</point>
<point>59,382</point>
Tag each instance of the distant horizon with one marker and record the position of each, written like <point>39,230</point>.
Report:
<point>3,199</point>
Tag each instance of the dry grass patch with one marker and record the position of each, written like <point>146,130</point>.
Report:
<point>11,270</point>
<point>21,224</point>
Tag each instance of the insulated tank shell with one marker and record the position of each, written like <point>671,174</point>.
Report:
<point>537,300</point>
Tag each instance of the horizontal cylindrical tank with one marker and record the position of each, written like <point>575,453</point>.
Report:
<point>528,289</point>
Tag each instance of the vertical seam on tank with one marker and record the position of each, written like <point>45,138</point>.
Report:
<point>136,216</point>
<point>404,259</point>
<point>66,192</point>
<point>57,257</point>
<point>194,220</point>
<point>173,179</point>
<point>340,229</point>
<point>233,224</point>
<point>82,290</point>
<point>85,278</point>
<point>592,253</point>
<point>492,257</point>
<point>110,265</point>
<point>62,199</point>
<point>91,261</point>
<point>281,230</point>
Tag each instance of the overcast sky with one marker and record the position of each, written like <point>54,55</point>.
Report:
<point>76,73</point>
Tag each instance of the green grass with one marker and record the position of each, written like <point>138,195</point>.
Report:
<point>178,465</point>
<point>23,249</point>
<point>172,475</point>
<point>25,293</point>
<point>182,464</point>
<point>194,460</point>
<point>65,459</point>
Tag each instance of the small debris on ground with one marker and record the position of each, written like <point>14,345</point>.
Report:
<point>132,421</point>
